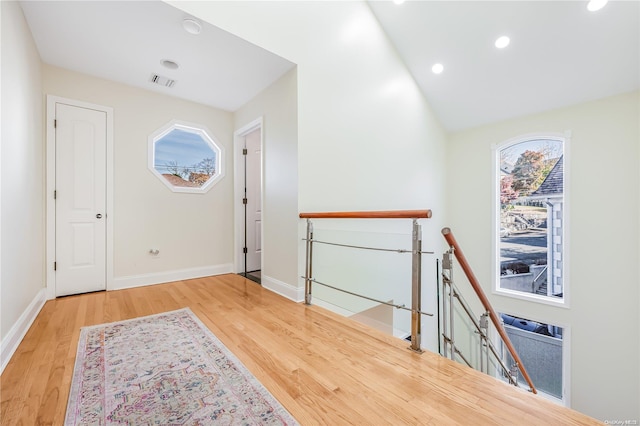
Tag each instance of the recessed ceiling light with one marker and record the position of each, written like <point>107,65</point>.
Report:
<point>437,68</point>
<point>168,63</point>
<point>398,1</point>
<point>594,5</point>
<point>502,42</point>
<point>191,26</point>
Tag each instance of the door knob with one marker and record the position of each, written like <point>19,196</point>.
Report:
<point>99,216</point>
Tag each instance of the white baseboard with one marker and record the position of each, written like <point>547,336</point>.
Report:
<point>141,280</point>
<point>283,289</point>
<point>331,307</point>
<point>16,334</point>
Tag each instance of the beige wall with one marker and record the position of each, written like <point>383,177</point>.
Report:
<point>367,139</point>
<point>602,181</point>
<point>194,232</point>
<point>277,105</point>
<point>22,172</point>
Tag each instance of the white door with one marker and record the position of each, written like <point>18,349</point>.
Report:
<point>254,200</point>
<point>80,201</point>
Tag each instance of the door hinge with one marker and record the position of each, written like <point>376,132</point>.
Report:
<point>244,201</point>
<point>55,194</point>
<point>244,250</point>
<point>55,123</point>
<point>244,151</point>
<point>55,266</point>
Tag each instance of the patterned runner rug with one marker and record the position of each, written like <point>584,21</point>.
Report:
<point>165,369</point>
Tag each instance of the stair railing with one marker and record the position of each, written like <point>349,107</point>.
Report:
<point>416,260</point>
<point>451,294</point>
<point>542,274</point>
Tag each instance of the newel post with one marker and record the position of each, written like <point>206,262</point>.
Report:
<point>416,285</point>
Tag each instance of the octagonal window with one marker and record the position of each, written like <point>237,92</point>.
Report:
<point>185,157</point>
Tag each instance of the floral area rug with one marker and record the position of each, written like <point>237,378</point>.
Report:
<point>165,369</point>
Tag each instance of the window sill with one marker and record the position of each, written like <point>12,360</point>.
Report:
<point>536,298</point>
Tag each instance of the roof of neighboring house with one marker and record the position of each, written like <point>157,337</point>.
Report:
<point>506,166</point>
<point>178,181</point>
<point>553,184</point>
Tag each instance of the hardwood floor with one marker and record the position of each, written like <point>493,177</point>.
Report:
<point>325,369</point>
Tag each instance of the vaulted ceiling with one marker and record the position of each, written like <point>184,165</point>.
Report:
<point>560,53</point>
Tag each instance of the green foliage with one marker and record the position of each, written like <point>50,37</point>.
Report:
<point>529,172</point>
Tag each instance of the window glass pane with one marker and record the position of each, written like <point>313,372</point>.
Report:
<point>185,158</point>
<point>531,206</point>
<point>539,346</point>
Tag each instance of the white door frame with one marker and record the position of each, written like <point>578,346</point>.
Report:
<point>238,178</point>
<point>51,185</point>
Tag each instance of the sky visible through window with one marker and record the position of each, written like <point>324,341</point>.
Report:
<point>184,148</point>
<point>553,148</point>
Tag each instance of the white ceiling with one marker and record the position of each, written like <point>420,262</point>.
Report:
<point>560,53</point>
<point>125,41</point>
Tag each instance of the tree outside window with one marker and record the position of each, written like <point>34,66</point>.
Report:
<point>185,157</point>
<point>531,218</point>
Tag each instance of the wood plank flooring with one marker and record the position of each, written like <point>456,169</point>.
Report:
<point>323,368</point>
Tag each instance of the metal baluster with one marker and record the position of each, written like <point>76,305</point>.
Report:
<point>446,265</point>
<point>309,265</point>
<point>451,305</point>
<point>507,373</point>
<point>514,373</point>
<point>438,279</point>
<point>445,328</point>
<point>484,350</point>
<point>488,344</point>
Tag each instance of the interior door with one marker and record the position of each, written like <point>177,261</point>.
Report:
<point>254,200</point>
<point>81,137</point>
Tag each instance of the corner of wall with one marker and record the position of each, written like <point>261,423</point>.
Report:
<point>23,165</point>
<point>15,335</point>
<point>283,289</point>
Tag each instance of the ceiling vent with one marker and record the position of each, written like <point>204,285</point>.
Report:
<point>162,81</point>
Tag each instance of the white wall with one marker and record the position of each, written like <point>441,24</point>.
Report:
<point>602,183</point>
<point>277,105</point>
<point>194,232</point>
<point>22,170</point>
<point>367,140</point>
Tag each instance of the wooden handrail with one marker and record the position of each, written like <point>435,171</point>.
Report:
<point>384,214</point>
<point>451,240</point>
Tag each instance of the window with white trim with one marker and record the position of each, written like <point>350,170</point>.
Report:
<point>185,157</point>
<point>540,346</point>
<point>530,218</point>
